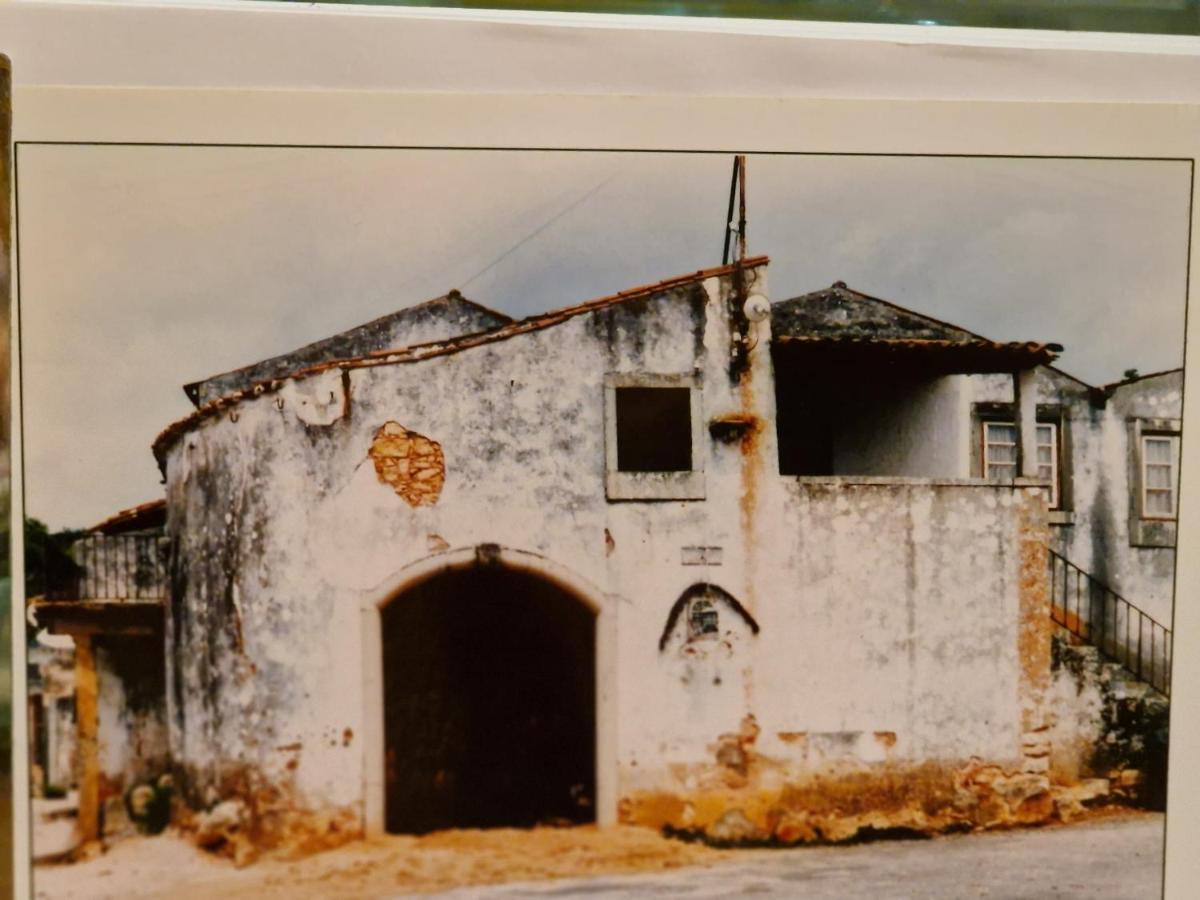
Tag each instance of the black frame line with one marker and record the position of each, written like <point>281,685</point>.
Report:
<point>16,294</point>
<point>553,149</point>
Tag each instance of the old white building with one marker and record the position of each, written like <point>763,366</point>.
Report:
<point>676,557</point>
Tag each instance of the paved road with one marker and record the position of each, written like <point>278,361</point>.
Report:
<point>1117,859</point>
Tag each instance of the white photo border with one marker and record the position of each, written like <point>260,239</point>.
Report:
<point>315,118</point>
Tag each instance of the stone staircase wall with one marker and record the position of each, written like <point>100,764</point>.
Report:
<point>1106,725</point>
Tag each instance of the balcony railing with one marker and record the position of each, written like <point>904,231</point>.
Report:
<point>119,567</point>
<point>1103,618</point>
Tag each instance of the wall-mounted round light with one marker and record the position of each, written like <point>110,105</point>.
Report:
<point>757,308</point>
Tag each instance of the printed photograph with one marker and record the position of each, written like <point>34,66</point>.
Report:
<point>565,523</point>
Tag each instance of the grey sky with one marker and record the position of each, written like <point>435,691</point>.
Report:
<point>145,268</point>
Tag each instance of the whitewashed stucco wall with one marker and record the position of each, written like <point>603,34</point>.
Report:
<point>914,430</point>
<point>295,512</point>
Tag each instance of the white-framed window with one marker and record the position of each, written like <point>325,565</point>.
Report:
<point>1153,481</point>
<point>1160,472</point>
<point>1047,458</point>
<point>1001,452</point>
<point>653,437</point>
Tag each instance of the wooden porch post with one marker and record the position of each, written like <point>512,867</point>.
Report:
<point>86,725</point>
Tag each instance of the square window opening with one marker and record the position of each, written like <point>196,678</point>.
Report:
<point>654,429</point>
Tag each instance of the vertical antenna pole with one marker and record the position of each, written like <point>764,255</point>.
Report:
<point>741,179</point>
<point>733,183</point>
<point>739,325</point>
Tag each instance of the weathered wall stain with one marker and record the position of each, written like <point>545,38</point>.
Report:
<point>132,733</point>
<point>1033,637</point>
<point>412,464</point>
<point>264,814</point>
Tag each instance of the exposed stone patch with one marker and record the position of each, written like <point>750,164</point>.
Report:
<point>1071,801</point>
<point>412,464</point>
<point>749,800</point>
<point>222,826</point>
<point>734,828</point>
<point>258,819</point>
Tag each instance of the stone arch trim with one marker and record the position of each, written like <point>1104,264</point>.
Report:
<point>490,555</point>
<point>696,590</point>
<point>534,564</point>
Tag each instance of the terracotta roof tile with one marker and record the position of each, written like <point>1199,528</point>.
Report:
<point>144,515</point>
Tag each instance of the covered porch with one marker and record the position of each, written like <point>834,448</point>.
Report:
<point>866,388</point>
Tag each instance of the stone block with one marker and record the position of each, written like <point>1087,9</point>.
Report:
<point>734,827</point>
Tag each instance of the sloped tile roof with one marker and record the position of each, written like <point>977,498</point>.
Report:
<point>420,352</point>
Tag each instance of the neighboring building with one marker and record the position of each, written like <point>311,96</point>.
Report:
<point>113,611</point>
<point>1112,456</point>
<point>51,711</point>
<point>1109,454</point>
<point>646,558</point>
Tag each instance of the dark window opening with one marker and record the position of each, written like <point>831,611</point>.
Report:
<point>702,619</point>
<point>805,427</point>
<point>654,429</point>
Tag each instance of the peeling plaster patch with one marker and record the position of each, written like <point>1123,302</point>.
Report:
<point>411,463</point>
<point>436,543</point>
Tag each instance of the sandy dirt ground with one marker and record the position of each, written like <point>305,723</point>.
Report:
<point>1113,858</point>
<point>582,861</point>
<point>169,865</point>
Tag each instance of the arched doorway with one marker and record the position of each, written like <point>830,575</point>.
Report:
<point>489,701</point>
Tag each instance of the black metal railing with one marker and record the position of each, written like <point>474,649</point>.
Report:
<point>120,567</point>
<point>1103,618</point>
